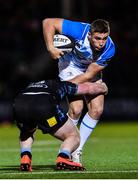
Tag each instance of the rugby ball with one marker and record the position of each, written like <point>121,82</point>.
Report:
<point>63,42</point>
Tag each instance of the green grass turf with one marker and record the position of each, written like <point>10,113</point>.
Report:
<point>111,152</point>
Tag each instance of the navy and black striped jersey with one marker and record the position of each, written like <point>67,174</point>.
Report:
<point>51,87</point>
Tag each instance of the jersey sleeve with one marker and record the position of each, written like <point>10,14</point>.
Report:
<point>74,29</point>
<point>66,88</point>
<point>71,88</point>
<point>107,54</point>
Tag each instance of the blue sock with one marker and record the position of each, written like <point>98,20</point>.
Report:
<point>64,154</point>
<point>25,149</point>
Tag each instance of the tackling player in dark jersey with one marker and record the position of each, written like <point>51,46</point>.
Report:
<point>38,106</point>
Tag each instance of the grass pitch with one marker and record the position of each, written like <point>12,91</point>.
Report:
<point>111,152</point>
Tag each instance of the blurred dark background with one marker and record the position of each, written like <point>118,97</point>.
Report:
<point>24,58</point>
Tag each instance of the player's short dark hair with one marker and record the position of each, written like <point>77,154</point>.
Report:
<point>101,26</point>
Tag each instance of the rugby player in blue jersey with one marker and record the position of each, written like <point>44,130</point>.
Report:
<point>93,50</point>
<point>38,106</point>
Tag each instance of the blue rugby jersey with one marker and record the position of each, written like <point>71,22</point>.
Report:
<point>83,55</point>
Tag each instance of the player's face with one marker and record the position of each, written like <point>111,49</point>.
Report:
<point>98,40</point>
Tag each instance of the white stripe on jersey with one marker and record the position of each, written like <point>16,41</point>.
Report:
<point>35,93</point>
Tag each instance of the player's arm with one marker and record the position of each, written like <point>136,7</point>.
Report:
<point>50,26</point>
<point>92,88</point>
<point>90,73</point>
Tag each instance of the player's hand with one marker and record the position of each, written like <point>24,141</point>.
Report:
<point>105,88</point>
<point>56,53</point>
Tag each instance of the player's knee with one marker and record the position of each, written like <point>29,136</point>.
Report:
<point>75,112</point>
<point>96,112</point>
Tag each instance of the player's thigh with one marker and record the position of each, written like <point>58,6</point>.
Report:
<point>24,114</point>
<point>67,130</point>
